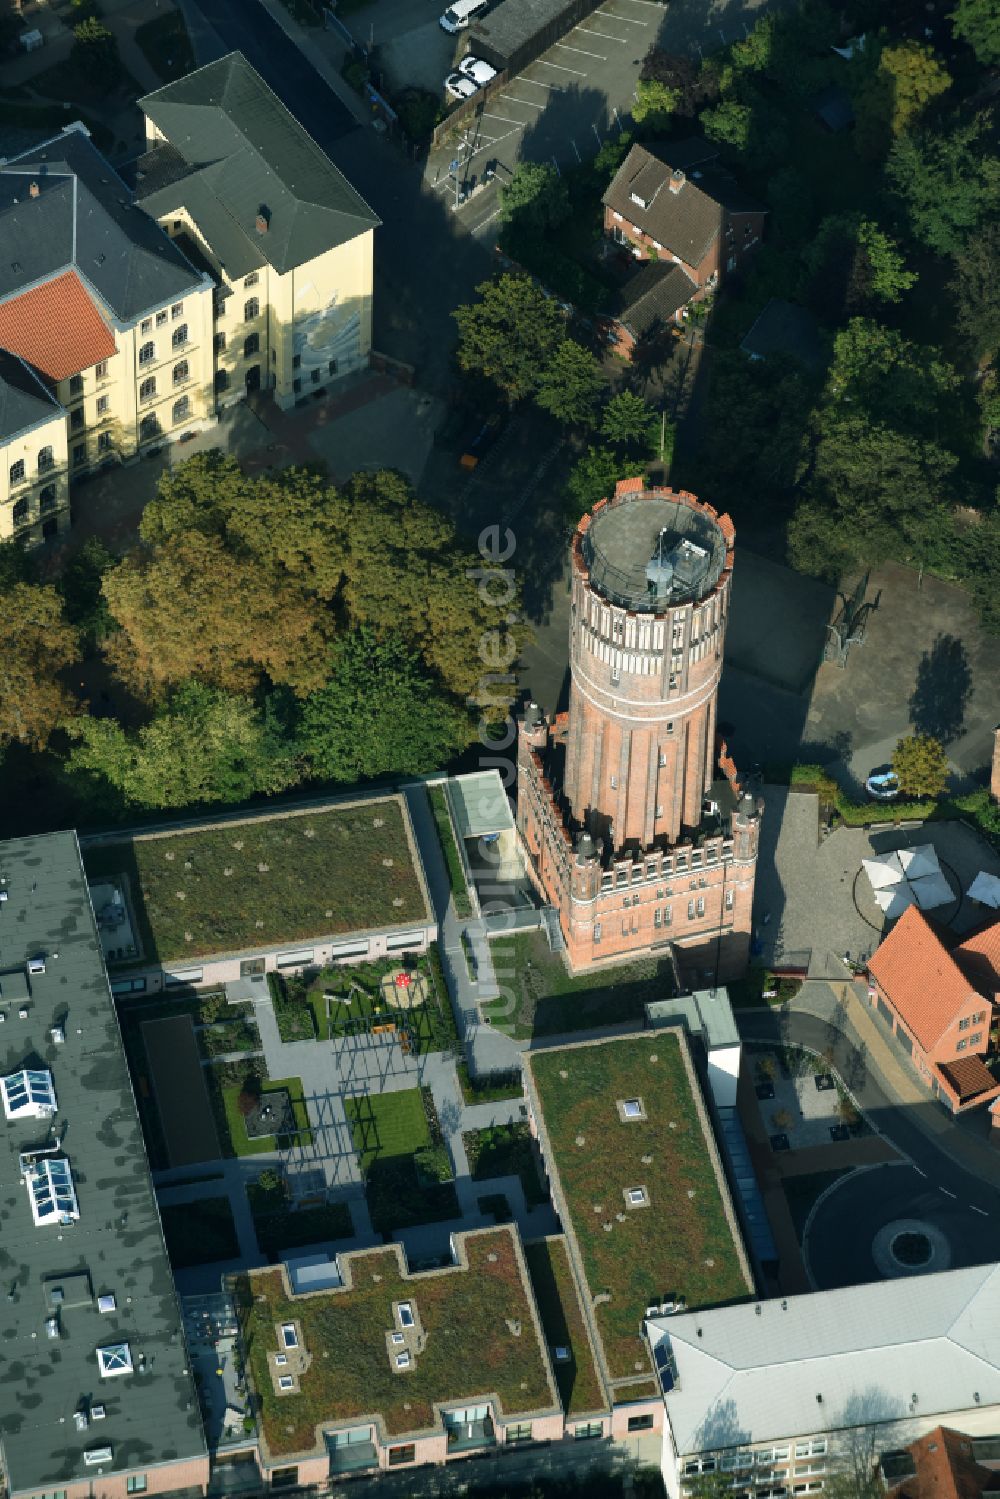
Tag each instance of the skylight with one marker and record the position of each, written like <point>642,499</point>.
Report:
<point>405,1314</point>
<point>28,1094</point>
<point>51,1191</point>
<point>289,1336</point>
<point>402,1360</point>
<point>632,1108</point>
<point>114,1359</point>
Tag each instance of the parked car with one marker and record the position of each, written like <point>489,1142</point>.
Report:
<point>477,69</point>
<point>462,13</point>
<point>460,87</point>
<point>882,784</point>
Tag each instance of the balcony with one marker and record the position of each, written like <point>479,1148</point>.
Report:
<point>470,1436</point>
<point>352,1457</point>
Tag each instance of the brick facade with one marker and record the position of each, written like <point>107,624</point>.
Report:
<point>623,851</point>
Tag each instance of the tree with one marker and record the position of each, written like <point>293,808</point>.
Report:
<point>907,79</point>
<point>892,380</point>
<point>975,288</point>
<point>379,712</point>
<point>593,477</point>
<point>570,385</point>
<point>729,124</point>
<point>978,23</point>
<point>851,265</point>
<point>80,586</point>
<point>921,766</point>
<point>946,183</point>
<point>95,52</point>
<point>535,199</point>
<point>509,335</point>
<point>655,104</point>
<point>37,644</point>
<point>775,395</point>
<point>203,746</point>
<point>193,607</point>
<point>686,83</point>
<point>628,423</point>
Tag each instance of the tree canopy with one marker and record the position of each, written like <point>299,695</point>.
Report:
<point>535,199</point>
<point>509,335</point>
<point>946,182</point>
<point>978,23</point>
<point>570,385</point>
<point>921,766</point>
<point>38,644</point>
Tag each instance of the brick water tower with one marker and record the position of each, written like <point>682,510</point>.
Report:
<point>636,828</point>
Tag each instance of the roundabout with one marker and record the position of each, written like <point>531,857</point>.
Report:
<point>886,1222</point>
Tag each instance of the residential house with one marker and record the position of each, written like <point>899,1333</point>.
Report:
<point>931,999</point>
<point>237,182</point>
<point>109,317</point>
<point>944,1464</point>
<point>675,206</point>
<point>783,1394</point>
<point>97,1395</point>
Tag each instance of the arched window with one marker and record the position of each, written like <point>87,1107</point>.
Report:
<point>182,410</point>
<point>17,471</point>
<point>180,336</point>
<point>46,460</point>
<point>147,353</point>
<point>180,372</point>
<point>251,345</point>
<point>147,390</point>
<point>251,309</point>
<point>149,427</point>
<point>47,498</point>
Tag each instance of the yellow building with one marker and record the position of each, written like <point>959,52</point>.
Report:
<point>112,322</point>
<point>249,197</point>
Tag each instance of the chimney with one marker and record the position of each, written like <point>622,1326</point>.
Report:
<point>677,179</point>
<point>263,219</point>
<point>34,190</point>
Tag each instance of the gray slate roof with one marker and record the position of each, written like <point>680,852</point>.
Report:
<point>751,1373</point>
<point>24,400</point>
<point>84,217</point>
<point>232,150</point>
<point>116,1246</point>
<point>653,295</point>
<point>686,222</point>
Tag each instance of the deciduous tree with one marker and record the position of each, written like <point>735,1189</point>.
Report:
<point>509,335</point>
<point>921,766</point>
<point>535,199</point>
<point>36,644</point>
<point>570,385</point>
<point>946,182</point>
<point>593,477</point>
<point>976,291</point>
<point>629,424</point>
<point>907,79</point>
<point>978,23</point>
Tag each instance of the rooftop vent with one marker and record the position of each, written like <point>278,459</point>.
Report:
<point>677,180</point>
<point>263,220</point>
<point>660,568</point>
<point>80,1420</point>
<point>57,1035</point>
<point>97,1413</point>
<point>106,1303</point>
<point>34,190</point>
<point>95,1456</point>
<point>37,963</point>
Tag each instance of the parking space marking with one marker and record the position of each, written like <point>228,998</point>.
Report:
<point>653,4</point>
<point>525,103</point>
<point>504,119</point>
<point>622,40</point>
<point>613,15</point>
<point>553,88</point>
<point>560,69</point>
<point>595,55</point>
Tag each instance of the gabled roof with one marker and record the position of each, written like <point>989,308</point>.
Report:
<point>944,1467</point>
<point>969,1078</point>
<point>860,1355</point>
<point>24,400</point>
<point>83,218</point>
<point>685,221</point>
<point>232,152</point>
<point>653,295</point>
<point>56,327</point>
<point>978,956</point>
<point>920,977</point>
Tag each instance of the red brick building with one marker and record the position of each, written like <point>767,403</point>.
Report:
<point>940,1004</point>
<point>633,832</point>
<point>674,206</point>
<point>944,1464</point>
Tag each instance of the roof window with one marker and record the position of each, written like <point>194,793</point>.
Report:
<point>114,1359</point>
<point>289,1337</point>
<point>405,1314</point>
<point>106,1303</point>
<point>50,1190</point>
<point>28,1094</point>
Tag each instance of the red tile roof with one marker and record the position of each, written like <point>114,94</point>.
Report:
<point>945,1469</point>
<point>56,327</point>
<point>978,956</point>
<point>920,978</point>
<point>969,1077</point>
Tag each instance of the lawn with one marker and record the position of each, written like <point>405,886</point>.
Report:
<point>403,1157</point>
<point>540,998</point>
<point>252,884</point>
<point>238,1138</point>
<point>681,1243</point>
<point>387,1124</point>
<point>279,1227</point>
<point>199,1232</point>
<point>492,1087</point>
<point>505,1150</point>
<point>449,848</point>
<point>559,1308</point>
<point>166,46</point>
<point>756,987</point>
<point>477,1323</point>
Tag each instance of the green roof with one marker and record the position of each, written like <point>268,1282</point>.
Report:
<point>476,1335</point>
<point>115,1247</point>
<point>564,1326</point>
<point>232,152</point>
<point>251,882</point>
<point>685,1241</point>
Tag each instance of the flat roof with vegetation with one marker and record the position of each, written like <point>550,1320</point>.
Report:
<point>480,1337</point>
<point>253,882</point>
<point>683,1241</point>
<point>565,1327</point>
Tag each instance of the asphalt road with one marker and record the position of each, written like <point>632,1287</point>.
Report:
<point>933,1187</point>
<point>245,26</point>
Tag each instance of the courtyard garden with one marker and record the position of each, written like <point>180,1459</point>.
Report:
<point>406,995</point>
<point>255,1114</point>
<point>279,1226</point>
<point>199,1232</point>
<point>249,884</point>
<point>539,997</point>
<point>802,1100</point>
<point>506,1150</point>
<point>403,1157</point>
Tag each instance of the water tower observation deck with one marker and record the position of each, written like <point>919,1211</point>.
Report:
<point>649,552</point>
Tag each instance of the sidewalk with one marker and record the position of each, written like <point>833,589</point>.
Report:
<point>325,51</point>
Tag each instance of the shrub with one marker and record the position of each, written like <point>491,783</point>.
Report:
<point>248,1097</point>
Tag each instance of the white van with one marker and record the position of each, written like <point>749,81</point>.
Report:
<point>462,13</point>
